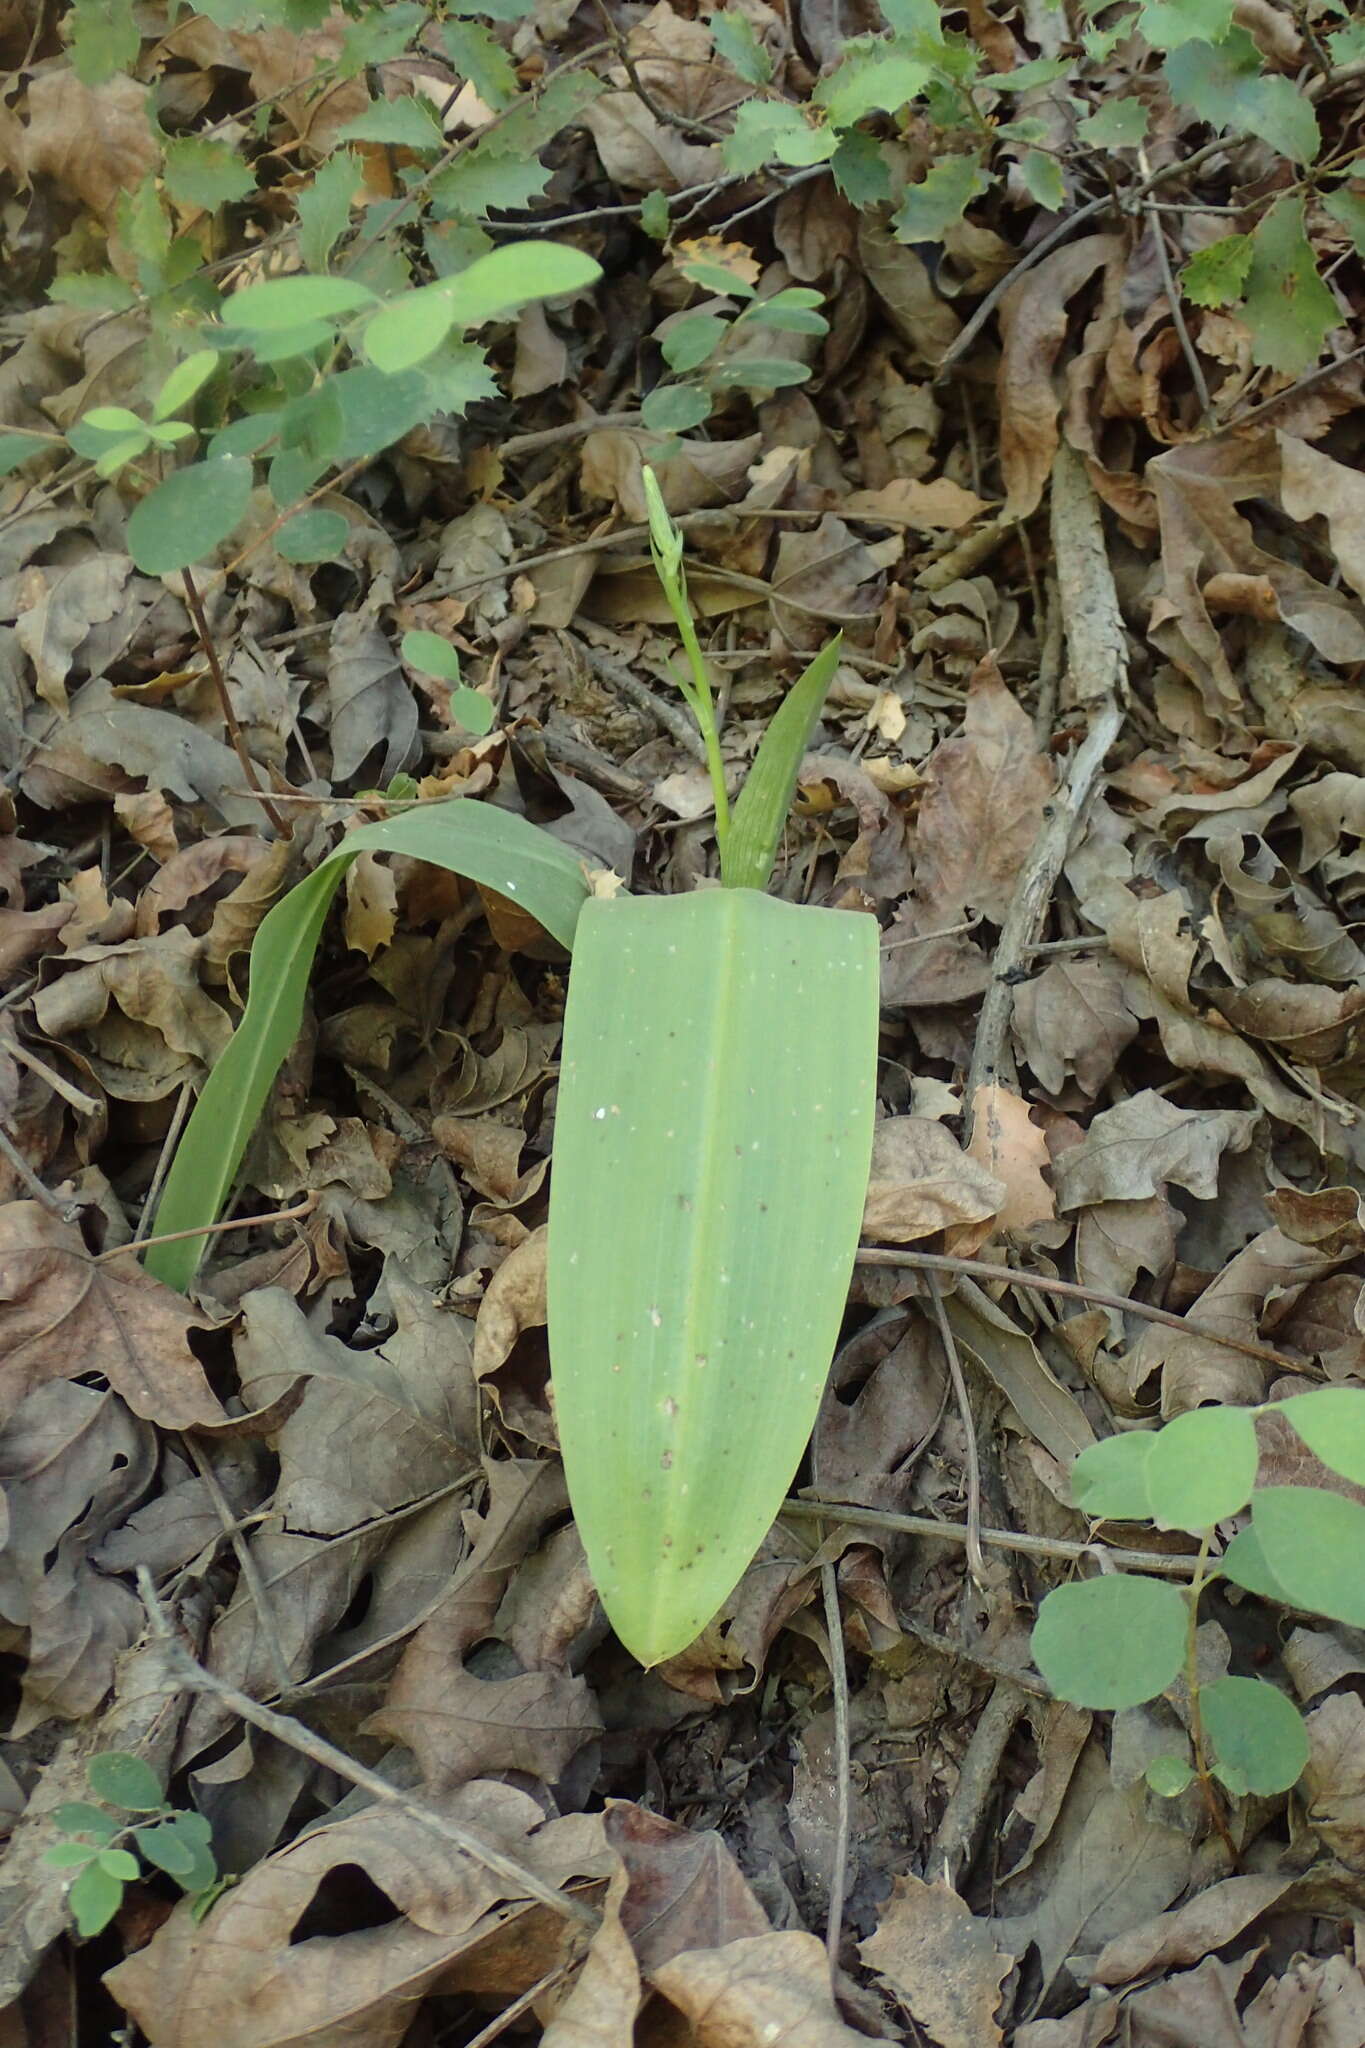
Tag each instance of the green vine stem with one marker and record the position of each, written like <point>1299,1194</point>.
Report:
<point>666,547</point>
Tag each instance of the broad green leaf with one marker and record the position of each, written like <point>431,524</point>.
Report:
<point>1167,24</point>
<point>124,1780</point>
<point>1210,78</point>
<point>199,172</point>
<point>1275,109</point>
<point>760,373</point>
<point>315,535</point>
<point>761,808</point>
<point>713,276</point>
<point>188,515</point>
<point>120,1864</point>
<point>860,169</point>
<point>70,1855</point>
<point>78,1817</point>
<point>377,410</point>
<point>1109,1479</point>
<point>692,341</point>
<point>712,1141</point>
<point>120,452</point>
<point>168,433</point>
<point>94,1899</point>
<point>773,131</point>
<point>490,846</point>
<point>1111,1642</point>
<point>17,448</point>
<point>673,408</point>
<point>324,206</point>
<point>1257,1733</point>
<point>406,123</point>
<point>1117,124</point>
<point>185,381</point>
<point>112,419</point>
<point>517,273</point>
<point>433,655</point>
<point>179,1845</point>
<point>874,77</point>
<point>1043,180</point>
<point>284,303</point>
<point>1201,1468</point>
<point>738,46</point>
<point>941,198</point>
<point>1217,275</point>
<point>408,330</point>
<point>1169,1776</point>
<point>1244,1563</point>
<point>472,710</point>
<point>914,18</point>
<point>654,215</point>
<point>477,56</point>
<point>1313,1544</point>
<point>1288,307</point>
<point>786,314</point>
<point>1331,1422</point>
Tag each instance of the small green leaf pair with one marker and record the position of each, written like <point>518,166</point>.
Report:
<point>177,1843</point>
<point>713,1132</point>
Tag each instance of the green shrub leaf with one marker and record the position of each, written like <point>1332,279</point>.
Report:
<point>187,516</point>
<point>1111,1642</point>
<point>1109,1479</point>
<point>284,303</point>
<point>673,408</point>
<point>94,1899</point>
<point>1313,1544</point>
<point>1201,1468</point>
<point>1257,1734</point>
<point>1169,1776</point>
<point>1331,1422</point>
<point>316,535</point>
<point>433,655</point>
<point>125,1780</point>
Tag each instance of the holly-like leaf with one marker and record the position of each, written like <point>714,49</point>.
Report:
<point>939,200</point>
<point>1117,124</point>
<point>324,206</point>
<point>1288,307</point>
<point>1217,275</point>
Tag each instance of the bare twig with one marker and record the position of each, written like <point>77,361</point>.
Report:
<point>118,1251</point>
<point>838,1671</point>
<point>1163,257</point>
<point>1162,1563</point>
<point>674,721</point>
<point>27,1178</point>
<point>235,734</point>
<point>77,1097</point>
<point>251,1578</point>
<point>959,1829</point>
<point>185,1672</point>
<point>1072,1290</point>
<point>976,1563</point>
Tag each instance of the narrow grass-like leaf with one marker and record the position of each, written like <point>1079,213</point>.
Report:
<point>762,805</point>
<point>490,846</point>
<point>712,1141</point>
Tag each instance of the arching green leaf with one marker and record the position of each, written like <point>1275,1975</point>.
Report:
<point>1109,1479</point>
<point>1111,1642</point>
<point>187,516</point>
<point>1313,1544</point>
<point>1201,1468</point>
<point>1258,1736</point>
<point>1331,1421</point>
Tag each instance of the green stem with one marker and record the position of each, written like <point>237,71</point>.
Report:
<point>1213,1804</point>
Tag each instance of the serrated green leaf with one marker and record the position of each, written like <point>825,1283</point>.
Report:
<point>1109,1479</point>
<point>1274,108</point>
<point>1257,1734</point>
<point>1210,78</point>
<point>1312,1543</point>
<point>406,123</point>
<point>94,1899</point>
<point>487,181</point>
<point>283,304</point>
<point>432,655</point>
<point>378,36</point>
<point>324,206</point>
<point>186,380</point>
<point>692,340</point>
<point>1169,24</point>
<point>187,516</point>
<point>1331,1421</point>
<point>1169,1776</point>
<point>1347,208</point>
<point>761,809</point>
<point>314,535</point>
<point>1288,307</point>
<point>467,838</point>
<point>772,131</point>
<point>738,46</point>
<point>1117,124</point>
<point>124,1780</point>
<point>939,200</point>
<point>873,77</point>
<point>94,291</point>
<point>479,57</point>
<point>199,172</point>
<point>701,1233</point>
<point>1217,275</point>
<point>105,39</point>
<point>673,408</point>
<point>1033,72</point>
<point>860,170</point>
<point>1111,1642</point>
<point>1201,1468</point>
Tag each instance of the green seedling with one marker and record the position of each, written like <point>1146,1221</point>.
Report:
<point>132,1819</point>
<point>712,1142</point>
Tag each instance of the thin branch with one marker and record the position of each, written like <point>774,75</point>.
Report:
<point>1072,1290</point>
<point>976,1563</point>
<point>1162,1563</point>
<point>118,1251</point>
<point>186,1673</point>
<point>235,734</point>
<point>838,1671</point>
